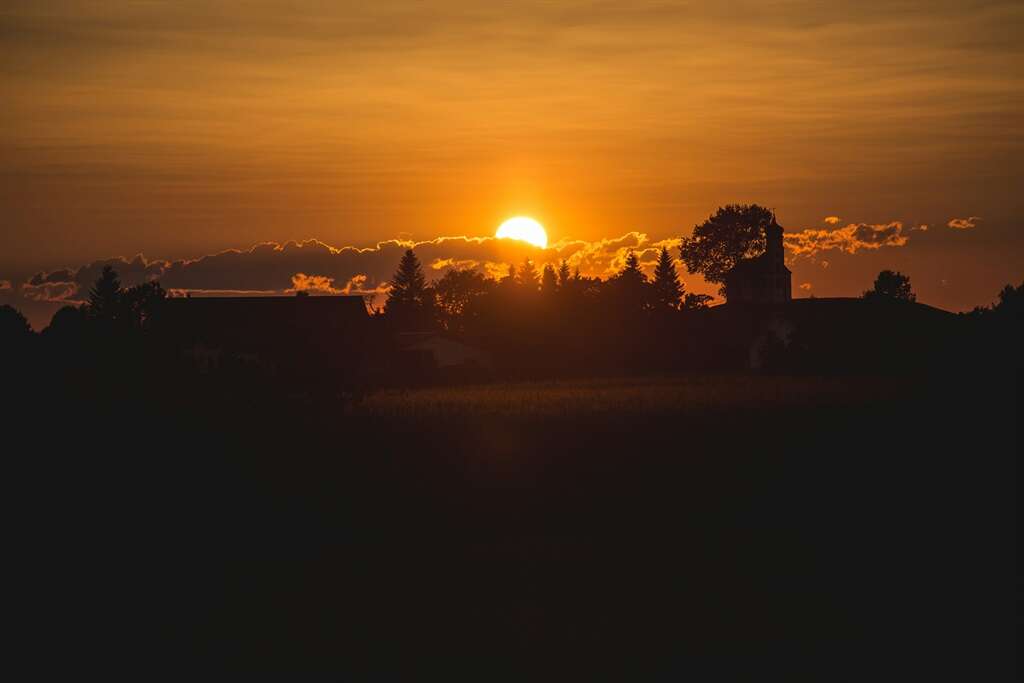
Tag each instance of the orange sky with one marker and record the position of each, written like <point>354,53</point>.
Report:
<point>179,129</point>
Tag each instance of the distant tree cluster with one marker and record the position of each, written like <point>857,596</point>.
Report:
<point>111,309</point>
<point>891,285</point>
<point>1009,306</point>
<point>462,297</point>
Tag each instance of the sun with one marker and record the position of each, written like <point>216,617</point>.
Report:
<point>525,229</point>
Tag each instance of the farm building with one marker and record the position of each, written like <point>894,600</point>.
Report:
<point>275,333</point>
<point>828,334</point>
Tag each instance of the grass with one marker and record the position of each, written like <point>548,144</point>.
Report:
<point>804,528</point>
<point>623,396</point>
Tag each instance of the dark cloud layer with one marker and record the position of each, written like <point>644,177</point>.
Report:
<point>317,267</point>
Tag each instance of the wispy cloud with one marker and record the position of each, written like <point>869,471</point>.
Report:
<point>53,292</point>
<point>849,239</point>
<point>318,284</point>
<point>964,223</point>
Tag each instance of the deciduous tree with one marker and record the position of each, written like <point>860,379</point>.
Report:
<point>891,285</point>
<point>734,232</point>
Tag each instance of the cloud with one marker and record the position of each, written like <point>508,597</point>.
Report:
<point>849,239</point>
<point>56,276</point>
<point>52,292</point>
<point>318,284</point>
<point>833,220</point>
<point>964,223</point>
<point>496,271</point>
<point>446,263</point>
<point>69,286</point>
<point>920,228</point>
<point>319,268</point>
<point>806,286</point>
<point>174,292</point>
<point>5,285</point>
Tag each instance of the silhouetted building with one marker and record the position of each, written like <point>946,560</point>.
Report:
<point>764,279</point>
<point>827,335</point>
<point>295,334</point>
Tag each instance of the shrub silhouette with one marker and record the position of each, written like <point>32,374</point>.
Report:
<point>891,285</point>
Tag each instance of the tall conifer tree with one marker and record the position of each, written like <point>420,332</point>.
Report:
<point>548,281</point>
<point>563,274</point>
<point>667,290</point>
<point>409,298</point>
<point>105,297</point>
<point>528,277</point>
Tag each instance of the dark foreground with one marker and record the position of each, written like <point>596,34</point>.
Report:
<point>781,531</point>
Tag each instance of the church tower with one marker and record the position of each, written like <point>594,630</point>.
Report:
<point>778,278</point>
<point>773,247</point>
<point>764,279</point>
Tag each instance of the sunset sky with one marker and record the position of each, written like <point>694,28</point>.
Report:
<point>178,130</point>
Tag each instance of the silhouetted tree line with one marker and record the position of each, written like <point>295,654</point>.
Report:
<point>552,318</point>
<point>107,338</point>
<point>533,322</point>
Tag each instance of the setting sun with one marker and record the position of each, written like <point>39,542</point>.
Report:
<point>525,229</point>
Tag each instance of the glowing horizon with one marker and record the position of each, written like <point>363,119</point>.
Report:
<point>179,130</point>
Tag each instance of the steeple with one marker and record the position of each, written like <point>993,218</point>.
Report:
<point>773,242</point>
<point>764,279</point>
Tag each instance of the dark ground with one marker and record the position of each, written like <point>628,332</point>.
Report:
<point>873,540</point>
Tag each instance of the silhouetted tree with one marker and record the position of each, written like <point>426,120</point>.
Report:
<point>1011,301</point>
<point>142,302</point>
<point>67,323</point>
<point>564,274</point>
<point>631,270</point>
<point>666,287</point>
<point>12,323</point>
<point>891,285</point>
<point>1010,304</point>
<point>15,332</point>
<point>692,302</point>
<point>105,301</point>
<point>734,232</point>
<point>527,276</point>
<point>548,281</point>
<point>456,293</point>
<point>409,300</point>
<point>630,286</point>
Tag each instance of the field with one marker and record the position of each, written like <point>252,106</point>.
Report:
<point>722,526</point>
<point>621,397</point>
